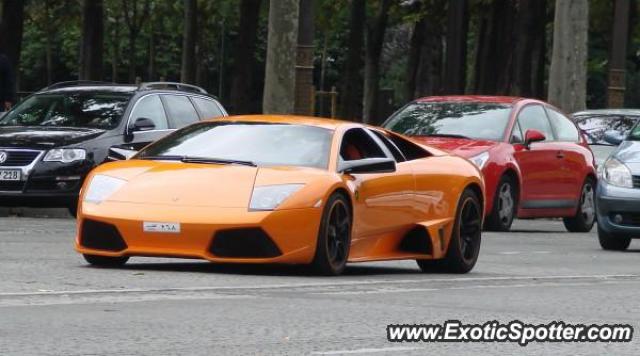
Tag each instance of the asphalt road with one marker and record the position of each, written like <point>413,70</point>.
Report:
<point>52,303</point>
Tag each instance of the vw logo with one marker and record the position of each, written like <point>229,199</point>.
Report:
<point>3,156</point>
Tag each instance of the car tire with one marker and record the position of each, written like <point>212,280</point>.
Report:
<point>73,210</point>
<point>464,247</point>
<point>334,238</point>
<point>612,242</point>
<point>586,216</point>
<point>105,261</point>
<point>504,208</point>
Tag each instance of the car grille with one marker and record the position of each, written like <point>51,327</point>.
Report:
<point>636,181</point>
<point>11,186</point>
<point>101,236</point>
<point>19,158</point>
<point>243,243</point>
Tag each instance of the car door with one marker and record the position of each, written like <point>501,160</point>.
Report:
<point>572,154</point>
<point>540,163</point>
<point>147,107</point>
<point>383,201</point>
<point>180,110</point>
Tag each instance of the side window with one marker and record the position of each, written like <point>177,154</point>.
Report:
<point>397,155</point>
<point>208,108</point>
<point>181,111</point>
<point>357,144</point>
<point>516,134</point>
<point>410,150</point>
<point>565,129</point>
<point>150,107</point>
<point>533,117</point>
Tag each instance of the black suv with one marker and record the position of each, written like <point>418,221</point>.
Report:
<point>52,139</point>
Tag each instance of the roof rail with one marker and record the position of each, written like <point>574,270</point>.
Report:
<point>174,86</point>
<point>74,83</point>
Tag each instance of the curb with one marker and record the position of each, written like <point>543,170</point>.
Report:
<point>35,213</point>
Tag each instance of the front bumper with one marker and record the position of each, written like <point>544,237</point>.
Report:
<point>45,184</point>
<point>294,232</point>
<point>618,210</point>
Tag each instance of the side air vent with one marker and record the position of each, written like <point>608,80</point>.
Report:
<point>243,243</point>
<point>417,241</point>
<point>101,236</point>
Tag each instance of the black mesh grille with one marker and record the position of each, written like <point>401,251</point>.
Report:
<point>19,158</point>
<point>636,181</point>
<point>244,243</point>
<point>101,236</point>
<point>417,241</point>
<point>11,186</point>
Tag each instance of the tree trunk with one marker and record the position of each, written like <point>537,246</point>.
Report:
<point>351,106</point>
<point>415,52</point>
<point>151,75</point>
<point>188,71</point>
<point>133,35</point>
<point>456,53</point>
<point>92,40</point>
<point>304,59</point>
<point>430,66</point>
<point>11,29</point>
<point>115,55</point>
<point>279,83</point>
<point>244,60</point>
<point>568,72</point>
<point>495,48</point>
<point>375,40</point>
<point>529,30</point>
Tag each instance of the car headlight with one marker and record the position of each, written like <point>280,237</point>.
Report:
<point>616,173</point>
<point>101,187</point>
<point>480,160</point>
<point>65,155</point>
<point>269,197</point>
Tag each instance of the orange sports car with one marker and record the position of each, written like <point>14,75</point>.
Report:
<point>285,189</point>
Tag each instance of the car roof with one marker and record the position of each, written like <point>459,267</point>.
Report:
<point>472,98</point>
<point>632,112</point>
<point>83,86</point>
<point>92,88</point>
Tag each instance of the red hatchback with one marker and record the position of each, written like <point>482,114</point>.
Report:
<point>535,162</point>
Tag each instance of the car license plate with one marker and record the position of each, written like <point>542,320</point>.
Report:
<point>10,175</point>
<point>162,227</point>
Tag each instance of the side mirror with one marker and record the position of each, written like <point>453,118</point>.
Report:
<point>367,165</point>
<point>613,137</point>
<point>120,153</point>
<point>142,124</point>
<point>532,136</point>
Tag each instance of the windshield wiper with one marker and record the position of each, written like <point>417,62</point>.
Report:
<point>189,159</point>
<point>192,159</point>
<point>448,135</point>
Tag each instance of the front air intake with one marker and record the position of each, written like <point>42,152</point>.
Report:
<point>101,236</point>
<point>243,243</point>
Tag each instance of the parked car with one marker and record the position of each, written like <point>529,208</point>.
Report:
<point>595,123</point>
<point>292,190</point>
<point>50,141</point>
<point>535,161</point>
<point>618,193</point>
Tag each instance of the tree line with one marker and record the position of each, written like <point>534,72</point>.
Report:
<point>371,51</point>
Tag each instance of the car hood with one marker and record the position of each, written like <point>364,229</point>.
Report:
<point>460,146</point>
<point>629,152</point>
<point>202,185</point>
<point>45,137</point>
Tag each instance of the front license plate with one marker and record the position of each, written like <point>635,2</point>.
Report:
<point>10,175</point>
<point>162,227</point>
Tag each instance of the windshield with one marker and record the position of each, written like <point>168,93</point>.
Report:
<point>595,126</point>
<point>485,121</point>
<point>84,110</point>
<point>263,144</point>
